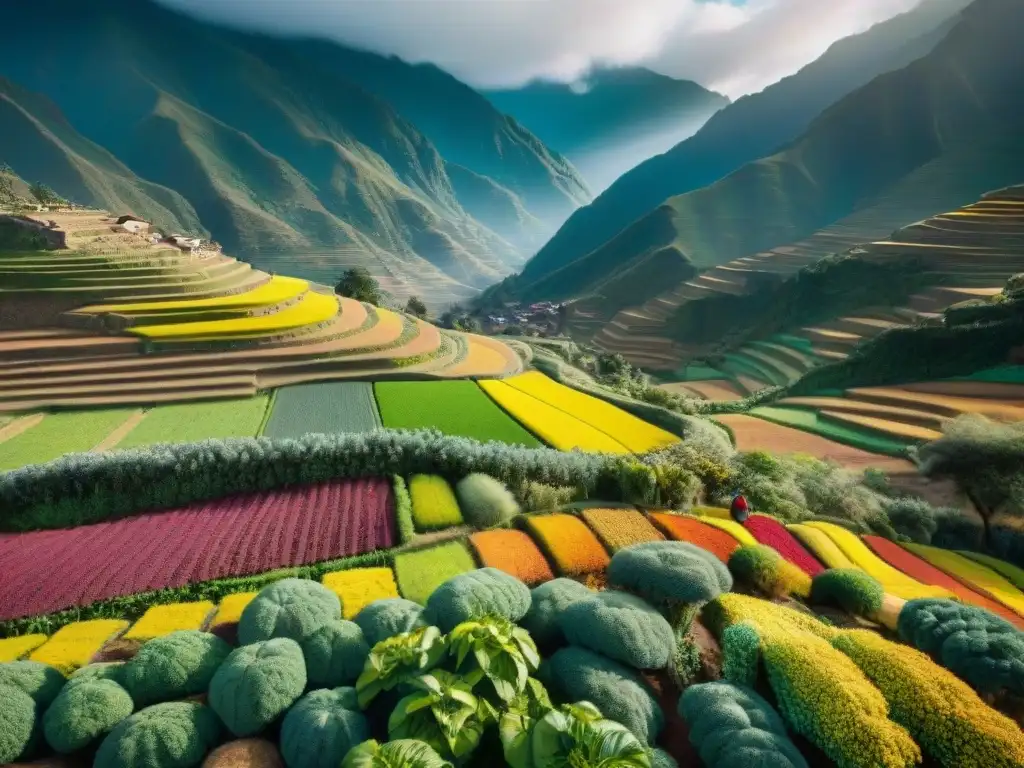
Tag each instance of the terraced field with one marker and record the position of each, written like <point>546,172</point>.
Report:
<point>60,433</point>
<point>343,406</point>
<point>192,422</point>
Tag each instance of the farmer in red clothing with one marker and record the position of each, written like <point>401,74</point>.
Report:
<point>739,510</point>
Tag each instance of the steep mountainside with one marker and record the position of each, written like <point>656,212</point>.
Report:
<point>14,190</point>
<point>611,116</point>
<point>746,130</point>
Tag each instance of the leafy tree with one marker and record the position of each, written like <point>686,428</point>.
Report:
<point>357,283</point>
<point>45,195</point>
<point>415,306</point>
<point>514,330</point>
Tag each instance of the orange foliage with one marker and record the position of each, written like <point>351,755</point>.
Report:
<point>570,544</point>
<point>513,552</point>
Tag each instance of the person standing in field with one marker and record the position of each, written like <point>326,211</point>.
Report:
<point>739,509</point>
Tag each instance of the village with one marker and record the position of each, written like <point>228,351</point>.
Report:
<point>543,318</point>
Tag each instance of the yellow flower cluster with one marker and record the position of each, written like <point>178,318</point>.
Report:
<point>160,620</point>
<point>768,616</point>
<point>973,573</point>
<point>230,609</point>
<point>821,546</point>
<point>943,713</point>
<point>13,648</point>
<point>359,587</point>
<point>893,581</point>
<point>75,644</point>
<point>734,529</point>
<point>433,503</point>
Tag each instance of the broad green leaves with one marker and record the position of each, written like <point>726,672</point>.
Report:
<point>497,650</point>
<point>399,659</point>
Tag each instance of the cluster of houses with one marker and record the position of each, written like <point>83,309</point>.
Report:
<point>137,226</point>
<point>539,319</point>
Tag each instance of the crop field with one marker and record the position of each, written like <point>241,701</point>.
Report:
<point>714,540</point>
<point>821,545</point>
<point>52,570</point>
<point>279,288</point>
<point>421,572</point>
<point>569,544</point>
<point>977,576</point>
<point>772,533</point>
<point>513,552</point>
<point>618,528</point>
<point>328,407</point>
<point>358,587</point>
<point>191,422</point>
<point>60,433</point>
<point>849,435</point>
<point>454,407</point>
<point>1008,571</point>
<point>434,504</point>
<point>731,527</point>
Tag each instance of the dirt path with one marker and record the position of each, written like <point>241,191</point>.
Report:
<point>119,434</point>
<point>18,426</point>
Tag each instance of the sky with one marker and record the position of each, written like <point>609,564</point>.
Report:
<point>733,47</point>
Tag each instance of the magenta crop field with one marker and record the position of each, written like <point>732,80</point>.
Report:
<point>45,571</point>
<point>772,533</point>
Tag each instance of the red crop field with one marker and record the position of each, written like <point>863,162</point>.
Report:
<point>772,533</point>
<point>45,571</point>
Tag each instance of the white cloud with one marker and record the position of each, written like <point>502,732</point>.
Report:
<point>732,47</point>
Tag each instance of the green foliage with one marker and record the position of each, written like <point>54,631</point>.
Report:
<point>40,681</point>
<point>851,589</point>
<point>618,691</point>
<point>515,725</point>
<point>357,283</point>
<point>399,753</point>
<point>83,713</point>
<point>577,735</point>
<point>661,759</point>
<point>733,727</point>
<point>537,497</point>
<point>176,734</point>
<point>741,652</point>
<point>256,683</point>
<point>442,712</point>
<point>17,722</point>
<point>335,654</point>
<point>496,650</point>
<point>45,195</point>
<point>174,666</point>
<point>548,601</point>
<point>293,608</point>
<point>398,660</point>
<point>974,644</point>
<point>622,627</point>
<point>687,663</point>
<point>915,518</point>
<point>382,619</point>
<point>415,306</point>
<point>762,567</point>
<point>476,594</point>
<point>484,501</point>
<point>108,670</point>
<point>321,729</point>
<point>403,510</point>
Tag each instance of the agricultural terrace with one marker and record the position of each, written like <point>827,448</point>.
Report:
<point>332,406</point>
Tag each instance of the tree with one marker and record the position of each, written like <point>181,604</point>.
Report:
<point>514,330</point>
<point>45,195</point>
<point>415,306</point>
<point>357,283</point>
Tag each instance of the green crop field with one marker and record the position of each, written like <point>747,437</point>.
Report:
<point>421,572</point>
<point>60,433</point>
<point>1007,374</point>
<point>453,407</point>
<point>809,421</point>
<point>434,505</point>
<point>329,407</point>
<point>190,422</point>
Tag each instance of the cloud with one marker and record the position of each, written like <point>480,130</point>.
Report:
<point>732,47</point>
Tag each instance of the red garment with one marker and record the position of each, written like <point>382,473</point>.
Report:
<point>739,504</point>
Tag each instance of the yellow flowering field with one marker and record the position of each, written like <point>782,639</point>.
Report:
<point>359,587</point>
<point>160,620</point>
<point>13,648</point>
<point>279,288</point>
<point>734,529</point>
<point>975,574</point>
<point>73,645</point>
<point>1008,571</point>
<point>556,428</point>
<point>635,434</point>
<point>230,609</point>
<point>433,503</point>
<point>821,546</point>
<point>574,550</point>
<point>618,528</point>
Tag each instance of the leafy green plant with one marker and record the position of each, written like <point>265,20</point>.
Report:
<point>497,650</point>
<point>577,735</point>
<point>851,589</point>
<point>442,712</point>
<point>400,753</point>
<point>517,721</point>
<point>398,660</point>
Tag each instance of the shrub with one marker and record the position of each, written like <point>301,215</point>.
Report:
<point>485,502</point>
<point>741,651</point>
<point>403,510</point>
<point>661,759</point>
<point>943,714</point>
<point>473,595</point>
<point>256,683</point>
<point>17,723</point>
<point>538,497</point>
<point>914,518</point>
<point>733,727</point>
<point>851,589</point>
<point>40,681</point>
<point>321,729</point>
<point>83,712</point>
<point>497,650</point>
<point>976,645</point>
<point>617,691</point>
<point>292,608</point>
<point>109,670</point>
<point>176,734</point>
<point>398,660</point>
<point>443,712</point>
<point>622,627</point>
<point>174,666</point>
<point>547,603</point>
<point>398,753</point>
<point>382,619</point>
<point>764,568</point>
<point>335,654</point>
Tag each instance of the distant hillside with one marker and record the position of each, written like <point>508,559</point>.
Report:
<point>746,130</point>
<point>14,190</point>
<point>612,119</point>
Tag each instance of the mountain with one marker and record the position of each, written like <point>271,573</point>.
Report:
<point>746,130</point>
<point>612,119</point>
<point>283,158</point>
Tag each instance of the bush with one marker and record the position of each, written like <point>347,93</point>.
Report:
<point>292,608</point>
<point>484,501</point>
<point>547,603</point>
<point>661,759</point>
<point>176,734</point>
<point>256,683</point>
<point>399,660</point>
<point>741,652</point>
<point>321,729</point>
<point>733,727</point>
<point>174,666</point>
<point>382,619</point>
<point>622,627</point>
<point>83,713</point>
<point>619,692</point>
<point>40,681</point>
<point>335,654</point>
<point>915,518</point>
<point>17,723</point>
<point>496,650</point>
<point>476,594</point>
<point>403,510</point>
<point>537,497</point>
<point>766,569</point>
<point>109,670</point>
<point>851,589</point>
<point>976,645</point>
<point>398,753</point>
